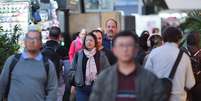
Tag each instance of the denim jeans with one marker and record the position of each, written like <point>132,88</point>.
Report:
<point>82,94</point>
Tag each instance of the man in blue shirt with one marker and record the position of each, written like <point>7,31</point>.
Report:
<point>29,78</point>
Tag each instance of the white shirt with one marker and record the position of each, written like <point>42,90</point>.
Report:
<point>161,61</point>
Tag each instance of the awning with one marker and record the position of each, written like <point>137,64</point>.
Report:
<point>184,4</point>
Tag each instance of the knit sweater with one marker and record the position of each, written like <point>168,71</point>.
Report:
<point>28,81</point>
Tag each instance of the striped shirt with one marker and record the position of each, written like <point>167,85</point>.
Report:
<point>126,87</point>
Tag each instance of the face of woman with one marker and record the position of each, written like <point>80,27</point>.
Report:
<point>89,42</point>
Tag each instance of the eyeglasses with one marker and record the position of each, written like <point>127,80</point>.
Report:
<point>125,46</point>
<point>35,39</point>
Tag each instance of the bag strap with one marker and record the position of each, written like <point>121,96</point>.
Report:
<point>11,67</point>
<point>46,66</point>
<point>197,52</point>
<point>174,68</point>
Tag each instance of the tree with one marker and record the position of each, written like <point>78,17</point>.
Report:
<point>193,22</point>
<point>9,44</point>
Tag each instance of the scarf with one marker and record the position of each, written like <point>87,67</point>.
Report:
<point>91,69</point>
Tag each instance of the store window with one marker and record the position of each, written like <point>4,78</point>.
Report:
<point>98,5</point>
<point>73,5</point>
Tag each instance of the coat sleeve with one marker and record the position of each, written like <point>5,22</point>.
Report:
<point>52,85</point>
<point>4,77</point>
<point>71,74</point>
<point>105,61</point>
<point>71,51</point>
<point>98,89</point>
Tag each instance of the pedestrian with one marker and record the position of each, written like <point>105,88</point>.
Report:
<point>29,76</point>
<point>143,40</point>
<point>87,64</point>
<point>126,81</point>
<point>108,53</point>
<point>111,26</point>
<point>156,31</point>
<point>194,52</point>
<point>162,59</point>
<point>155,41</point>
<point>76,44</point>
<point>54,51</point>
<point>143,47</point>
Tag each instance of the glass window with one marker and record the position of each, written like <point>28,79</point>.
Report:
<point>98,5</point>
<point>74,5</point>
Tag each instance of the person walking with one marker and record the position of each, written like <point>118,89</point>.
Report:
<point>126,81</point>
<point>108,53</point>
<point>76,45</point>
<point>29,76</point>
<point>87,64</point>
<point>111,26</point>
<point>194,52</point>
<point>162,59</point>
<point>54,51</point>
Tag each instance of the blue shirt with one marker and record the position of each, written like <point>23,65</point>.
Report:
<point>39,57</point>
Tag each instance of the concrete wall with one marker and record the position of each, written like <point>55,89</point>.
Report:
<point>91,21</point>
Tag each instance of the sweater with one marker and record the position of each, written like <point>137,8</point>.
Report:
<point>28,81</point>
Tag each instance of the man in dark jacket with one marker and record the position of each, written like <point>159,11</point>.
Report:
<point>52,47</point>
<point>111,30</point>
<point>55,52</point>
<point>110,56</point>
<point>126,81</point>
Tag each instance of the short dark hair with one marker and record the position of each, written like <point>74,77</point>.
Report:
<point>97,31</point>
<point>155,41</point>
<point>191,38</point>
<point>111,19</point>
<point>95,38</point>
<point>172,34</point>
<point>55,32</point>
<point>133,35</point>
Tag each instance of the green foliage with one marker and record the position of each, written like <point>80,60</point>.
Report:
<point>9,44</point>
<point>193,22</point>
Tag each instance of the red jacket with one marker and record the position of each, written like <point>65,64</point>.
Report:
<point>75,46</point>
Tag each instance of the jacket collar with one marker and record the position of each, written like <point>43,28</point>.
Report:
<point>113,80</point>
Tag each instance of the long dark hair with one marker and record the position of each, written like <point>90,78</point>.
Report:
<point>143,40</point>
<point>95,39</point>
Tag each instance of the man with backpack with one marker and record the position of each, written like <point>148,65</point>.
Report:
<point>172,65</point>
<point>53,50</point>
<point>29,76</point>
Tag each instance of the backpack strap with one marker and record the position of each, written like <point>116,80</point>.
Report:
<point>174,68</point>
<point>46,66</point>
<point>11,67</point>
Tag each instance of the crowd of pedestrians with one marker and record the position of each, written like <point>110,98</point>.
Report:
<point>108,65</point>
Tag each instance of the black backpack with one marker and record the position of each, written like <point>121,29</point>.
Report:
<point>12,66</point>
<point>51,52</point>
<point>167,82</point>
<point>196,65</point>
